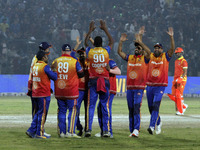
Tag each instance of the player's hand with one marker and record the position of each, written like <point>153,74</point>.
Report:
<point>170,31</point>
<point>142,30</point>
<point>137,38</point>
<point>54,66</point>
<point>92,26</point>
<point>102,24</point>
<point>78,40</point>
<point>123,37</point>
<point>29,93</point>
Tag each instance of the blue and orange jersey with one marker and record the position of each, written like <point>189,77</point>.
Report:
<point>98,58</point>
<point>83,82</point>
<point>66,86</point>
<point>41,82</point>
<point>136,72</point>
<point>158,70</point>
<point>34,60</point>
<point>112,77</point>
<point>180,64</point>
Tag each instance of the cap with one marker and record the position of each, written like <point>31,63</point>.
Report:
<point>158,45</point>
<point>81,50</point>
<point>66,47</point>
<point>40,54</point>
<point>44,45</point>
<point>178,50</point>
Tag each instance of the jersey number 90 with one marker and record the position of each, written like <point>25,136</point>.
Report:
<point>98,58</point>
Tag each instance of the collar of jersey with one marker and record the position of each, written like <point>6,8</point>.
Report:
<point>138,56</point>
<point>180,58</point>
<point>65,55</point>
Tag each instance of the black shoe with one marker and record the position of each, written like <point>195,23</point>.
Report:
<point>150,130</point>
<point>106,134</point>
<point>88,133</point>
<point>80,133</point>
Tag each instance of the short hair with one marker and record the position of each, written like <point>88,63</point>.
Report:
<point>98,41</point>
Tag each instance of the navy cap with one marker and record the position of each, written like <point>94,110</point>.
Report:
<point>158,45</point>
<point>40,54</point>
<point>44,45</point>
<point>66,47</point>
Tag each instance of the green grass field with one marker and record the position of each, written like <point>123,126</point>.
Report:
<point>174,136</point>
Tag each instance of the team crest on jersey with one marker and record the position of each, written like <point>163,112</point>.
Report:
<point>61,84</point>
<point>133,75</point>
<point>155,72</point>
<point>99,70</point>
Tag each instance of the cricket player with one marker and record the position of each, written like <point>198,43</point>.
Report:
<point>113,71</point>
<point>157,81</point>
<point>41,75</point>
<point>69,71</point>
<point>136,79</point>
<point>44,46</point>
<point>98,58</point>
<point>180,79</point>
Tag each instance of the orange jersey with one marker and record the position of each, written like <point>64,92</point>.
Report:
<point>34,60</point>
<point>158,70</point>
<point>136,72</point>
<point>66,86</point>
<point>180,64</point>
<point>98,60</point>
<point>83,82</point>
<point>41,82</point>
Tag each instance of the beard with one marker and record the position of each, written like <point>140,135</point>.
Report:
<point>157,53</point>
<point>137,53</point>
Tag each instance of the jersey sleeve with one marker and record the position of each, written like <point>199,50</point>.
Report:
<point>73,54</point>
<point>78,67</point>
<point>52,75</point>
<point>87,50</point>
<point>185,64</point>
<point>167,56</point>
<point>108,49</point>
<point>112,64</point>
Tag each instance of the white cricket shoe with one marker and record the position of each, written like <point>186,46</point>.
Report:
<point>69,135</point>
<point>179,114</point>
<point>98,135</point>
<point>62,135</point>
<point>158,128</point>
<point>185,108</point>
<point>135,133</point>
<point>150,130</point>
<point>46,134</point>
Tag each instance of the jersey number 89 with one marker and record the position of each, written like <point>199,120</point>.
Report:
<point>63,67</point>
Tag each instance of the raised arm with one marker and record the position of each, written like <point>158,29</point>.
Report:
<point>122,39</point>
<point>78,42</point>
<point>105,29</point>
<point>91,29</point>
<point>141,31</point>
<point>147,51</point>
<point>170,32</point>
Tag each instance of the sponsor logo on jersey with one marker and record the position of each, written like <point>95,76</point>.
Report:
<point>155,63</point>
<point>36,79</point>
<point>99,65</point>
<point>135,64</point>
<point>99,70</point>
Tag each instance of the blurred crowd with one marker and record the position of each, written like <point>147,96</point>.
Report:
<point>24,24</point>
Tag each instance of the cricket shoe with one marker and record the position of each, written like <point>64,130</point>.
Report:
<point>62,135</point>
<point>40,137</point>
<point>106,134</point>
<point>88,133</point>
<point>46,134</point>
<point>179,114</point>
<point>184,109</point>
<point>150,130</point>
<point>31,135</point>
<point>69,135</point>
<point>80,133</point>
<point>135,133</point>
<point>158,128</point>
<point>97,135</point>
